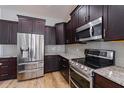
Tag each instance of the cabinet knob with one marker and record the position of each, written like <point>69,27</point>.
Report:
<point>1,64</point>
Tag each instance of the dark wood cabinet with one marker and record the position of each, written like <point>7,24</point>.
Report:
<point>60,33</point>
<point>38,26</point>
<point>64,68</point>
<point>82,15</point>
<point>101,82</point>
<point>50,35</point>
<point>13,32</point>
<point>51,63</point>
<point>5,34</point>
<point>8,68</point>
<point>31,25</point>
<point>8,31</point>
<point>95,11</point>
<point>69,37</point>
<point>114,18</point>
<point>25,25</point>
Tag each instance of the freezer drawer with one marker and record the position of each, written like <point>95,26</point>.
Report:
<point>30,74</point>
<point>30,65</point>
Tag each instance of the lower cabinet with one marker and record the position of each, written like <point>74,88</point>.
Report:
<point>51,63</point>
<point>8,68</point>
<point>102,82</point>
<point>64,68</point>
<point>57,63</point>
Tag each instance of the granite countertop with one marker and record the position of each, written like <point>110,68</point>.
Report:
<point>114,73</point>
<point>8,56</point>
<point>66,55</point>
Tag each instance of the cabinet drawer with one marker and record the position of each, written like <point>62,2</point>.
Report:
<point>4,69</point>
<point>102,82</point>
<point>31,74</point>
<point>4,76</point>
<point>8,62</point>
<point>4,62</point>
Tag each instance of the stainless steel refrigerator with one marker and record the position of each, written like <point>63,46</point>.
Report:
<point>30,56</point>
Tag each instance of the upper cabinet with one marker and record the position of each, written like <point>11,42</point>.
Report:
<point>82,15</point>
<point>25,25</point>
<point>8,31</point>
<point>31,25</point>
<point>114,20</point>
<point>60,33</point>
<point>13,32</point>
<point>95,11</point>
<point>38,26</point>
<point>50,35</point>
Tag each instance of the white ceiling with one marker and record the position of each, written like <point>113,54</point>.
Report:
<point>53,11</point>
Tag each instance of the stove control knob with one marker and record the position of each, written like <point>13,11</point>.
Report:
<point>76,64</point>
<point>82,66</point>
<point>85,69</point>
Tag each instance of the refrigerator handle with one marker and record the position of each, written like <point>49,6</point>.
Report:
<point>31,53</point>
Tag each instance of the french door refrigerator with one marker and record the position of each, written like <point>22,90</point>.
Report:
<point>30,56</point>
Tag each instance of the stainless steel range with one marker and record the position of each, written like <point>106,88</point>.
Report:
<point>81,69</point>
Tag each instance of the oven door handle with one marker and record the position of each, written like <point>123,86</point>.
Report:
<point>84,76</point>
<point>74,83</point>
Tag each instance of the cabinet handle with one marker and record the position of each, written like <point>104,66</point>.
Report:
<point>104,33</point>
<point>4,60</point>
<point>4,66</point>
<point>64,66</point>
<point>88,18</point>
<point>1,64</point>
<point>63,60</point>
<point>85,19</point>
<point>67,41</point>
<point>4,75</point>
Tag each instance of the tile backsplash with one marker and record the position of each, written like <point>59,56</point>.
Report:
<point>78,49</point>
<point>8,50</point>
<point>54,49</point>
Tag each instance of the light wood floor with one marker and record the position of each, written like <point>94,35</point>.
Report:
<point>50,80</point>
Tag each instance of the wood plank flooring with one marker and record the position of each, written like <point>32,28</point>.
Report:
<point>50,80</point>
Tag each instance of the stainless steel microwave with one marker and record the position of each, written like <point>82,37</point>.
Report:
<point>90,31</point>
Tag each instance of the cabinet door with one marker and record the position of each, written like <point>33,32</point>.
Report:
<point>95,11</point>
<point>50,36</point>
<point>69,39</point>
<point>102,82</point>
<point>115,23</point>
<point>64,63</point>
<point>13,32</point>
<point>82,15</point>
<point>60,33</point>
<point>25,25</point>
<point>51,63</point>
<point>74,17</point>
<point>5,34</point>
<point>38,26</point>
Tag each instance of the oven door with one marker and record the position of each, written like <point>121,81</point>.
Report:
<point>77,80</point>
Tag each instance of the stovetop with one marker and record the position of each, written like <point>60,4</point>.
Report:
<point>79,60</point>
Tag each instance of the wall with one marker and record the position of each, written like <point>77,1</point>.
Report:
<point>78,49</point>
<point>0,13</point>
<point>9,14</point>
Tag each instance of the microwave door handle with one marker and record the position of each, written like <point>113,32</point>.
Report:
<point>91,31</point>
